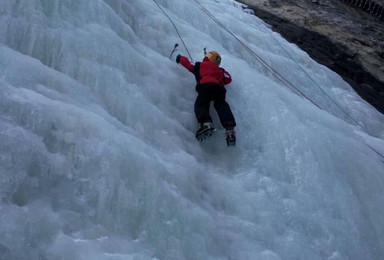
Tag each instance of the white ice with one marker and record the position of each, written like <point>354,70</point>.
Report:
<point>97,152</point>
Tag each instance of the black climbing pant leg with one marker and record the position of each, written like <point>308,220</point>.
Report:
<point>227,119</point>
<point>212,92</point>
<point>202,104</point>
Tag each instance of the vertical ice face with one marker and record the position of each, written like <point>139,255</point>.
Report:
<point>97,152</point>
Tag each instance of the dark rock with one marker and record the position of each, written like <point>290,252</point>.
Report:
<point>346,46</point>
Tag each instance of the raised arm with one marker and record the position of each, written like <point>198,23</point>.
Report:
<point>185,63</point>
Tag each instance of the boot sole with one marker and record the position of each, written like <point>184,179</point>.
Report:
<point>231,141</point>
<point>203,135</point>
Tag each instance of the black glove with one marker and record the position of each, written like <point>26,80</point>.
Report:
<point>178,58</point>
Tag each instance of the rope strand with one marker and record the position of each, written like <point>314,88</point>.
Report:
<point>278,76</point>
<point>275,73</point>
<point>177,31</point>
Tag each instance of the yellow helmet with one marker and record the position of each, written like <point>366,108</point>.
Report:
<point>214,57</point>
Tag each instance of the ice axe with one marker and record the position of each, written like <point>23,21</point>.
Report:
<point>174,49</point>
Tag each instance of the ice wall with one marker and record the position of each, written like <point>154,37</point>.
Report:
<point>97,152</point>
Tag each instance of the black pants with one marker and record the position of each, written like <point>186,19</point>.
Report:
<point>216,93</point>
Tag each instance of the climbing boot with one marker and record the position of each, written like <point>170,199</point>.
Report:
<point>205,130</point>
<point>230,137</point>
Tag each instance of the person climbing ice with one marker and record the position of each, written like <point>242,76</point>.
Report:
<point>211,78</point>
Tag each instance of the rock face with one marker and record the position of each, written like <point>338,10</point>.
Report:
<point>341,35</point>
<point>375,8</point>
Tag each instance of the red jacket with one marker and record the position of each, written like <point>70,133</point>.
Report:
<point>207,72</point>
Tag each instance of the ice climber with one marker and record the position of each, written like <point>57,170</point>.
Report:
<point>211,78</point>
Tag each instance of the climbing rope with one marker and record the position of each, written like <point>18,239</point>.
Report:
<point>275,73</point>
<point>319,87</point>
<point>281,78</point>
<point>177,31</point>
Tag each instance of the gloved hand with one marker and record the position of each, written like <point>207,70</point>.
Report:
<point>178,58</point>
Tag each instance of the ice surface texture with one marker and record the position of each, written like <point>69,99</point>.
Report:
<point>98,158</point>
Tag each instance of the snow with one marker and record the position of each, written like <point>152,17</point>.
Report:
<point>97,152</point>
